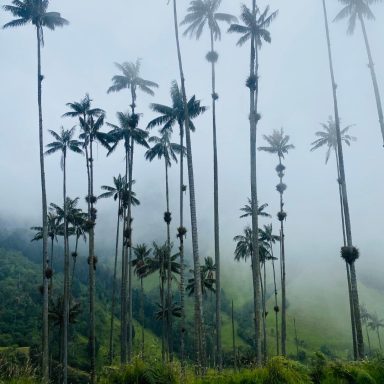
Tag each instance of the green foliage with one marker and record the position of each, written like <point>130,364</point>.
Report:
<point>16,366</point>
<point>140,373</point>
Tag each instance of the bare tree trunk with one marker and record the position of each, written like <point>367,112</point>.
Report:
<point>374,78</point>
<point>296,339</point>
<point>92,332</point>
<point>169,274</point>
<point>234,339</point>
<point>216,215</point>
<point>369,340</point>
<point>378,336</point>
<point>181,249</point>
<point>66,277</point>
<point>111,344</point>
<point>142,317</point>
<point>276,303</point>
<point>45,333</point>
<point>264,343</point>
<point>199,323</point>
<point>348,230</point>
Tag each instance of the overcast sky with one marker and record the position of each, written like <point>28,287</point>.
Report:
<point>295,93</point>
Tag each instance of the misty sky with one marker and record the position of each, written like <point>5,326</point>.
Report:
<point>295,93</point>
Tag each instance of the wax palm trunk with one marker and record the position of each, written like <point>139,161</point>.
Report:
<point>374,78</point>
<point>111,331</point>
<point>276,306</point>
<point>199,324</point>
<point>216,215</point>
<point>45,356</point>
<point>169,273</point>
<point>255,242</point>
<point>92,218</point>
<point>355,310</point>
<point>66,278</point>
<point>181,249</point>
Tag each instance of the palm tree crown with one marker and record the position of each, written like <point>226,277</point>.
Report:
<point>247,209</point>
<point>64,142</point>
<point>278,143</point>
<point>354,9</point>
<point>171,115</point>
<point>83,109</point>
<point>328,137</point>
<point>36,13</point>
<point>203,12</point>
<point>130,79</point>
<point>254,25</point>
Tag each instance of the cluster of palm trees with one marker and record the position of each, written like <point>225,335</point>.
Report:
<point>66,219</point>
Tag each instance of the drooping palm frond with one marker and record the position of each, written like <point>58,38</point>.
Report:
<point>278,143</point>
<point>247,209</point>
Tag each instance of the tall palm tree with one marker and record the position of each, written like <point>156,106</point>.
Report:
<point>350,252</point>
<point>278,143</point>
<point>268,236</point>
<point>130,79</point>
<point>365,318</point>
<point>64,143</point>
<point>199,316</point>
<point>360,9</point>
<point>142,253</point>
<point>162,257</point>
<point>254,29</point>
<point>90,121</point>
<point>163,148</point>
<point>36,12</point>
<point>375,324</point>
<point>202,13</point>
<point>328,138</point>
<point>169,116</point>
<point>127,131</point>
<point>119,193</point>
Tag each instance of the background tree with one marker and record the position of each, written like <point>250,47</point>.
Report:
<point>375,324</point>
<point>65,143</point>
<point>169,116</point>
<point>349,253</point>
<point>36,12</point>
<point>130,79</point>
<point>200,14</point>
<point>360,9</point>
<point>254,29</point>
<point>279,145</point>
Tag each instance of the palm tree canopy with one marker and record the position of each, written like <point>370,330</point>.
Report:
<point>202,13</point>
<point>34,12</point>
<point>328,137</point>
<point>142,254</point>
<point>247,209</point>
<point>53,228</point>
<point>64,142</point>
<point>278,143</point>
<point>206,277</point>
<point>127,130</point>
<point>83,108</point>
<point>130,78</point>
<point>354,9</point>
<point>375,323</point>
<point>254,25</point>
<point>159,261</point>
<point>73,212</point>
<point>163,148</point>
<point>170,115</point>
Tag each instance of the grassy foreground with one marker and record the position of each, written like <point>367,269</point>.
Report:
<point>278,371</point>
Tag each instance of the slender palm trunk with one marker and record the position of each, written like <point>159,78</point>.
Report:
<point>354,341</point>
<point>74,265</point>
<point>163,319</point>
<point>50,290</point>
<point>130,317</point>
<point>111,344</point>
<point>296,339</point>
<point>283,280</point>
<point>369,340</point>
<point>199,323</point>
<point>45,333</point>
<point>378,337</point>
<point>169,274</point>
<point>181,249</point>
<point>66,277</point>
<point>233,338</point>
<point>348,230</point>
<point>216,215</point>
<point>142,317</point>
<point>253,119</point>
<point>374,78</point>
<point>276,306</point>
<point>92,332</point>
<point>264,343</point>
<point>124,273</point>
